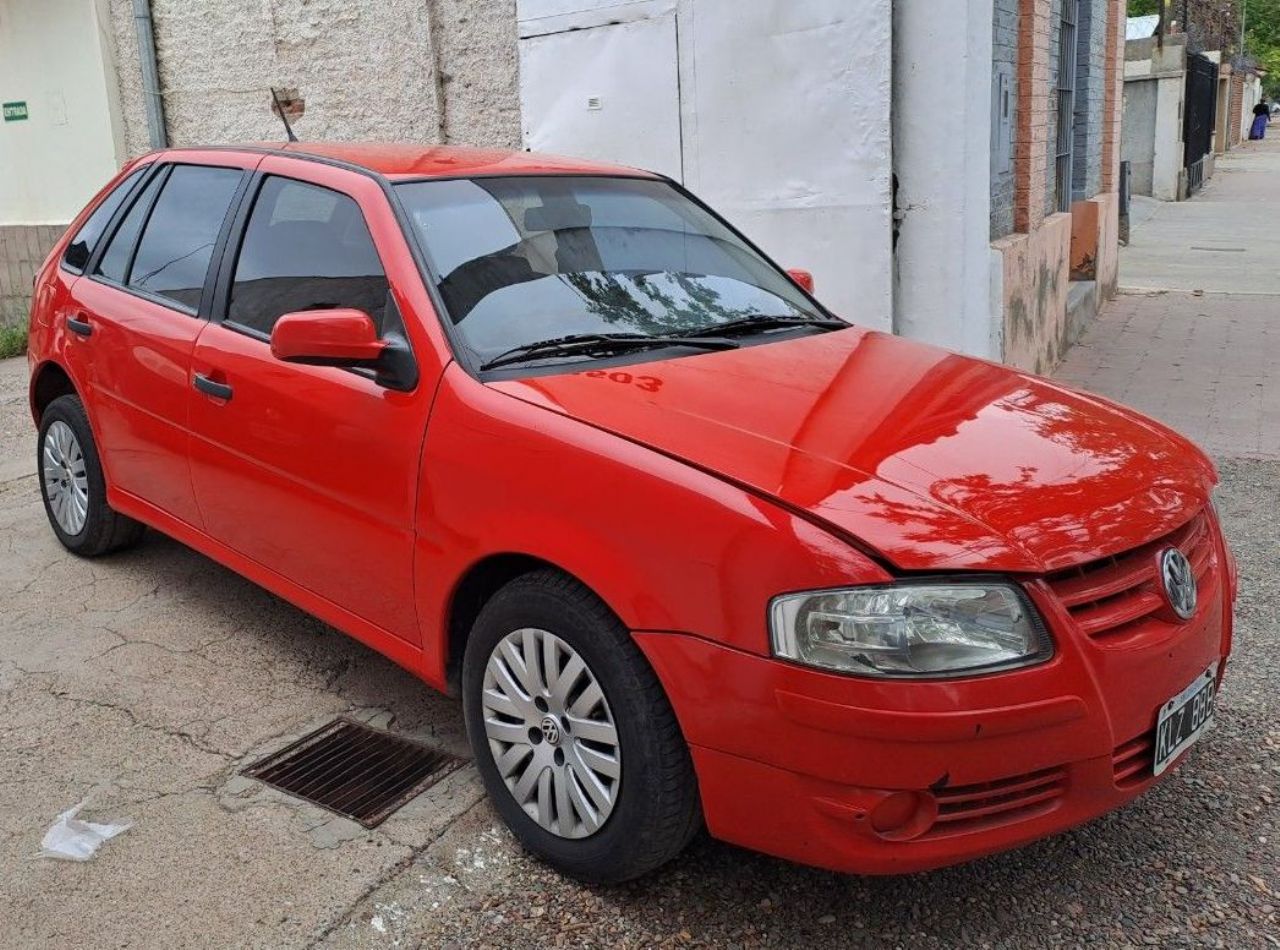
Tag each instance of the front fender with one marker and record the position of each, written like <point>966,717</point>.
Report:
<point>667,546</point>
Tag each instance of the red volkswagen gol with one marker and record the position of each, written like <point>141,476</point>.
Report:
<point>554,435</point>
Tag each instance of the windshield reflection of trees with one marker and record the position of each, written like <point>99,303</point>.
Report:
<point>614,300</point>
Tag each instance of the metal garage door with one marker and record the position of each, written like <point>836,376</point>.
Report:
<point>774,111</point>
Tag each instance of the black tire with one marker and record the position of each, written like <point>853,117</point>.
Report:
<point>104,529</point>
<point>657,810</point>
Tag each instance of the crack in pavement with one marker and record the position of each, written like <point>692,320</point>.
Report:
<point>391,873</point>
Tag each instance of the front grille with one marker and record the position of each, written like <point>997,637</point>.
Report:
<point>1131,762</point>
<point>355,770</point>
<point>967,808</point>
<point>1113,599</point>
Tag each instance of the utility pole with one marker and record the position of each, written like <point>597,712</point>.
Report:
<point>1244,16</point>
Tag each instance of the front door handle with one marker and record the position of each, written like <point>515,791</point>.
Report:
<point>78,326</point>
<point>212,387</point>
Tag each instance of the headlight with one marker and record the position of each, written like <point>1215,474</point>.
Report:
<point>910,629</point>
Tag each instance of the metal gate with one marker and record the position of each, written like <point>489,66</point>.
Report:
<point>1199,116</point>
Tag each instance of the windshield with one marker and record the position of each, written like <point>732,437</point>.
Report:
<point>523,260</point>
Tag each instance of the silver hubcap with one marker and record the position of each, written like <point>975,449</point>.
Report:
<point>65,483</point>
<point>551,733</point>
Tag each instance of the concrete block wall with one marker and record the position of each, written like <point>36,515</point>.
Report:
<point>23,248</point>
<point>1004,52</point>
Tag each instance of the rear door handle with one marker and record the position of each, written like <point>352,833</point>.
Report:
<point>211,387</point>
<point>78,326</point>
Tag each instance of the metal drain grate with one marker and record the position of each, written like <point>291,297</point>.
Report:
<point>355,770</point>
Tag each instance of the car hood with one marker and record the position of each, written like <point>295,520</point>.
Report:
<point>935,460</point>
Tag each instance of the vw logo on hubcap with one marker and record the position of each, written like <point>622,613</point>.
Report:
<point>1179,582</point>
<point>550,730</point>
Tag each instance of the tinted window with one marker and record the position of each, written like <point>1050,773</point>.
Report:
<point>305,248</point>
<point>115,259</point>
<point>81,246</point>
<point>177,244</point>
<point>528,259</point>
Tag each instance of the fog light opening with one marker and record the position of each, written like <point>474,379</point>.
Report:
<point>901,816</point>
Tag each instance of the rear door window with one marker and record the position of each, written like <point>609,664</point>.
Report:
<point>114,263</point>
<point>305,248</point>
<point>82,245</point>
<point>179,236</point>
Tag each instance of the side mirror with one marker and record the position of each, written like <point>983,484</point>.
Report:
<point>339,337</point>
<point>802,277</point>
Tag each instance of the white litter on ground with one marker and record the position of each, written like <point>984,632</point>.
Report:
<point>71,839</point>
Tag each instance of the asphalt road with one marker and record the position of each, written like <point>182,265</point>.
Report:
<point>146,681</point>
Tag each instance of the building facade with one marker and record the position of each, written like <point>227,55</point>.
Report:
<point>61,135</point>
<point>947,171</point>
<point>1055,242</point>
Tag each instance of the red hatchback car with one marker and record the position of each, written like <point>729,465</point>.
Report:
<point>553,435</point>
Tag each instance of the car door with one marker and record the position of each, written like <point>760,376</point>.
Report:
<point>311,471</point>
<point>133,322</point>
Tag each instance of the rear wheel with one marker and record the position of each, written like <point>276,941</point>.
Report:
<point>73,486</point>
<point>575,740</point>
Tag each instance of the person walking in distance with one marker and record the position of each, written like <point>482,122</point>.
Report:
<point>1261,118</point>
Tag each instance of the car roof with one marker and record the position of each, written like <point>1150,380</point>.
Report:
<point>402,160</point>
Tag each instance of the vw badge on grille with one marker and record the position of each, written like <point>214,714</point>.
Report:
<point>1179,582</point>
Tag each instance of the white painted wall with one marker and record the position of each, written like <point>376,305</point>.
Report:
<point>52,56</point>
<point>1170,153</point>
<point>948,285</point>
<point>621,101</point>
<point>1252,95</point>
<point>783,118</point>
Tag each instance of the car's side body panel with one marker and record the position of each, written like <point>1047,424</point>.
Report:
<point>393,647</point>
<point>667,546</point>
<point>136,368</point>
<point>314,470</point>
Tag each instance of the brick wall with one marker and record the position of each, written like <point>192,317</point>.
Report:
<point>1113,107</point>
<point>23,248</point>
<point>1236,108</point>
<point>1032,140</point>
<point>1005,53</point>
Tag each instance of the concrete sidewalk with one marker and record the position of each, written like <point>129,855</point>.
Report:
<point>1224,240</point>
<point>1194,337</point>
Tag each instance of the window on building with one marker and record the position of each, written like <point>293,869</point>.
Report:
<point>177,243</point>
<point>305,248</point>
<point>81,247</point>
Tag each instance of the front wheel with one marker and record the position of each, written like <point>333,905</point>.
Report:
<point>574,738</point>
<point>73,486</point>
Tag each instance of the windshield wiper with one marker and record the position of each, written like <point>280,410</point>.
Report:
<point>760,324</point>
<point>582,344</point>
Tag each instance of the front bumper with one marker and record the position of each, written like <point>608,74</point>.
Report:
<point>881,777</point>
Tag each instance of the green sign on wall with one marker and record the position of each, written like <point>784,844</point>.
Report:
<point>13,111</point>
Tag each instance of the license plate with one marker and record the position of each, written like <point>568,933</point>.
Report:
<point>1184,718</point>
